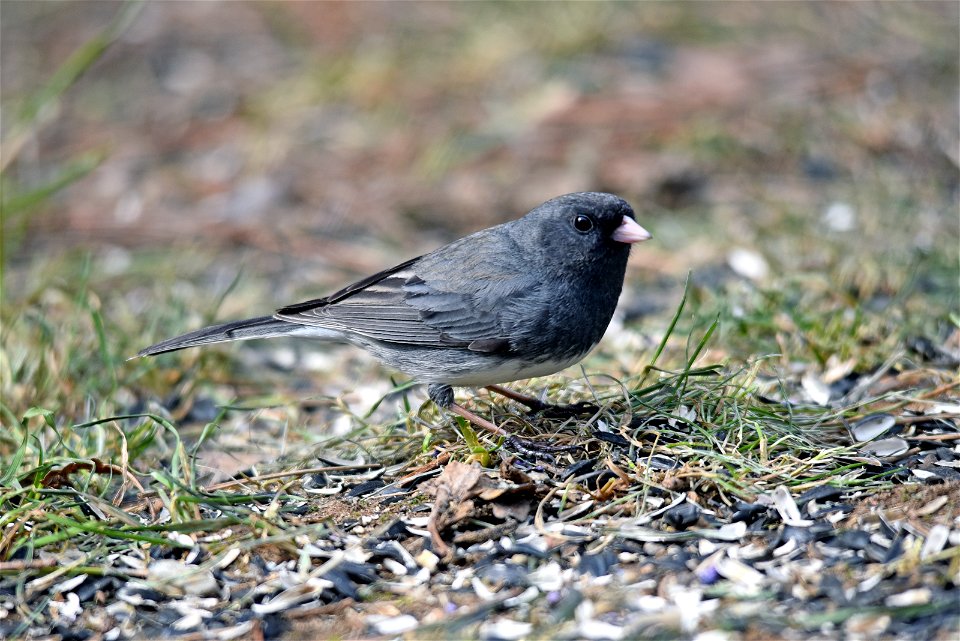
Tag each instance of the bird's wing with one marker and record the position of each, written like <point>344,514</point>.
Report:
<point>454,297</point>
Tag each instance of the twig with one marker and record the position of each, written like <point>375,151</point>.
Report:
<point>279,475</point>
<point>146,496</point>
<point>934,437</point>
<point>23,564</point>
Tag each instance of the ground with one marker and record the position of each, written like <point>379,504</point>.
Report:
<point>769,442</point>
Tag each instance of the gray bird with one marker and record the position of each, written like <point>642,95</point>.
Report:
<point>523,299</point>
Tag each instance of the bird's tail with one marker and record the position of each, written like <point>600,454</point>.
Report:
<point>262,327</point>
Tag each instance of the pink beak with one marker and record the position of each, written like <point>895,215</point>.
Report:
<point>630,232</point>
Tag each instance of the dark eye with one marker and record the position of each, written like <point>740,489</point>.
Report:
<point>583,224</point>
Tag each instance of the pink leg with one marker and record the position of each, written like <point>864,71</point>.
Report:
<point>476,420</point>
<point>523,399</point>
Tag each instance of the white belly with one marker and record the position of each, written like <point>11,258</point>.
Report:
<point>506,372</point>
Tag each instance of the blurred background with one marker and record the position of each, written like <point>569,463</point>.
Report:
<point>168,164</point>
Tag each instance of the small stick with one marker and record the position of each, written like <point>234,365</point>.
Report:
<point>10,566</point>
<point>259,478</point>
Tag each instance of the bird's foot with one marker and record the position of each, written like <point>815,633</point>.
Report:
<point>442,395</point>
<point>537,449</point>
<point>548,410</point>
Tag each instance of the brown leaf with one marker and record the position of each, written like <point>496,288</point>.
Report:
<point>509,472</point>
<point>452,491</point>
<point>516,510</point>
<point>511,492</point>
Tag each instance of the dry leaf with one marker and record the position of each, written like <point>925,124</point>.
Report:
<point>452,491</point>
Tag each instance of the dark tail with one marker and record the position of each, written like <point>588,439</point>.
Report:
<point>262,327</point>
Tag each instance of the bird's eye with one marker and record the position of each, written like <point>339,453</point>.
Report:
<point>583,224</point>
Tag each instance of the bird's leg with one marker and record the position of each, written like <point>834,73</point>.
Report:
<point>442,395</point>
<point>534,404</point>
<point>537,405</point>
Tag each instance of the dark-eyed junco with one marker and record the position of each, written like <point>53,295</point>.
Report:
<point>522,299</point>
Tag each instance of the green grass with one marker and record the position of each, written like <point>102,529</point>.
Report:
<point>65,479</point>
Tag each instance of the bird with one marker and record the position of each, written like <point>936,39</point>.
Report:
<point>522,299</point>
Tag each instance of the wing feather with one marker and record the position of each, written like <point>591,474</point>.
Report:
<point>422,302</point>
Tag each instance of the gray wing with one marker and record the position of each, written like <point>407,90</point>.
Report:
<point>458,296</point>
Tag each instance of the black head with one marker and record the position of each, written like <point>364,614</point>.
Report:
<point>576,246</point>
<point>581,228</point>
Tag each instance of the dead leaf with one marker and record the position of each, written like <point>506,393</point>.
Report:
<point>518,510</point>
<point>452,492</point>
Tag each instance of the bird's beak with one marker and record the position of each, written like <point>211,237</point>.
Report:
<point>630,232</point>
